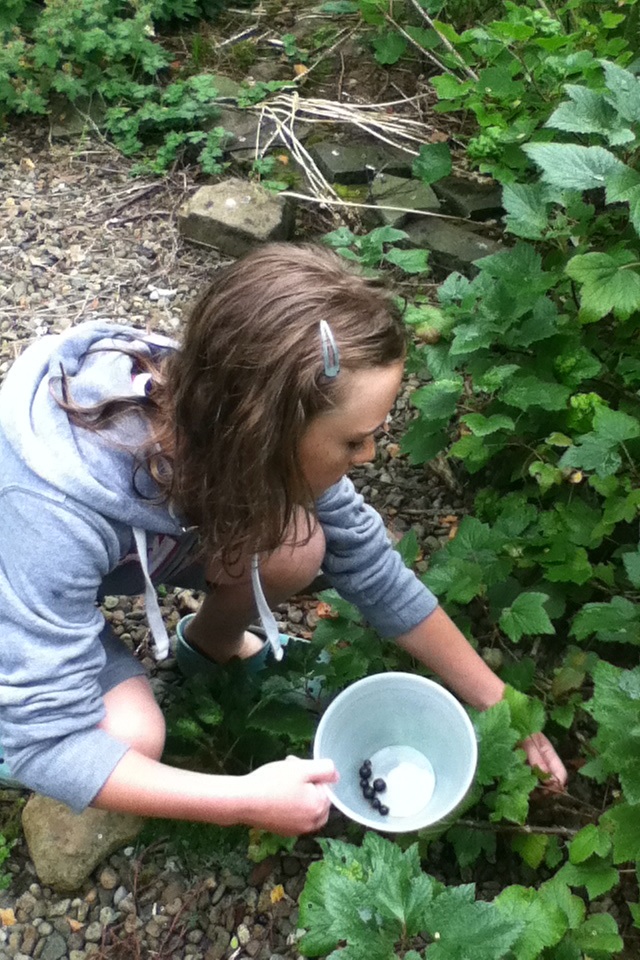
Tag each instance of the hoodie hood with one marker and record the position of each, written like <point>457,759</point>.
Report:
<point>92,468</point>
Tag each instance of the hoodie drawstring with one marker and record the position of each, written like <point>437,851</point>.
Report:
<point>154,616</point>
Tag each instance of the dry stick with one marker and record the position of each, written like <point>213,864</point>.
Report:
<point>567,832</point>
<point>425,16</point>
<point>414,43</point>
<point>369,206</point>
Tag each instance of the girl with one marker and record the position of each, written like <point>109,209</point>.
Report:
<point>221,463</point>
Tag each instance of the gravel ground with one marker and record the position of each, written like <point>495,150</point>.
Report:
<point>81,240</point>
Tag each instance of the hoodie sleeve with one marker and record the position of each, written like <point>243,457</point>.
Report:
<point>52,560</point>
<point>364,568</point>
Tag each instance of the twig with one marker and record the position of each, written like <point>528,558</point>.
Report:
<point>567,832</point>
<point>238,37</point>
<point>368,206</point>
<point>425,16</point>
<point>414,43</point>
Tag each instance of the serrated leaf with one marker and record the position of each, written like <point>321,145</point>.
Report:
<point>526,617</point>
<point>625,822</point>
<point>527,713</point>
<point>432,163</point>
<point>455,922</point>
<point>496,740</point>
<point>594,875</point>
<point>586,111</point>
<point>544,923</point>
<point>624,91</point>
<point>573,167</point>
<point>632,566</point>
<point>409,548</point>
<point>598,933</point>
<point>470,844</point>
<point>531,847</point>
<point>527,209</point>
<point>420,444</point>
<point>389,47</point>
<point>411,261</point>
<point>608,284</point>
<point>589,841</point>
<point>482,426</point>
<point>624,187</point>
<point>525,392</point>
<point>617,621</point>
<point>439,399</point>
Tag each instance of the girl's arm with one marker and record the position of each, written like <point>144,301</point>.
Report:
<point>288,797</point>
<point>438,643</point>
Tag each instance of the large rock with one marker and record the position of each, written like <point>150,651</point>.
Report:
<point>359,162</point>
<point>235,215</point>
<point>452,246</point>
<point>66,847</point>
<point>471,199</point>
<point>387,191</point>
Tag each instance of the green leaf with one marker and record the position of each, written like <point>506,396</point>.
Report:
<point>526,617</point>
<point>632,566</point>
<point>573,167</point>
<point>525,392</point>
<point>438,400</point>
<point>527,713</point>
<point>625,821</point>
<point>470,844</point>
<point>544,923</point>
<point>409,548</point>
<point>598,933</point>
<point>585,112</point>
<point>432,163</point>
<point>598,450</point>
<point>420,444</point>
<point>455,920</point>
<point>624,89</point>
<point>624,187</point>
<point>532,848</point>
<point>594,875</point>
<point>497,740</point>
<point>587,842</point>
<point>608,284</point>
<point>289,719</point>
<point>527,209</point>
<point>482,426</point>
<point>411,261</point>
<point>389,47</point>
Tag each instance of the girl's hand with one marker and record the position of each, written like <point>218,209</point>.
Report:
<point>541,754</point>
<point>289,797</point>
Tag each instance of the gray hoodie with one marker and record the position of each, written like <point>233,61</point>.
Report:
<point>68,511</point>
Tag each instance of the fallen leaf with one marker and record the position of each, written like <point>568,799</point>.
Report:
<point>75,925</point>
<point>27,164</point>
<point>393,449</point>
<point>277,893</point>
<point>299,69</point>
<point>453,531</point>
<point>7,917</point>
<point>448,519</point>
<point>326,612</point>
<point>283,159</point>
<point>438,137</point>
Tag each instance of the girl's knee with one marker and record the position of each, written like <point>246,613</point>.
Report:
<point>134,717</point>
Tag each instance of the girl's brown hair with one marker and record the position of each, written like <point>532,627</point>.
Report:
<point>230,407</point>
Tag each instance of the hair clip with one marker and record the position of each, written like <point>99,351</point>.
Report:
<point>330,354</point>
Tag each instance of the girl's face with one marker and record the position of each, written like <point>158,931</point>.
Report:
<point>343,437</point>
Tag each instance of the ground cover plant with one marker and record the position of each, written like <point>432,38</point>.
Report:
<point>531,378</point>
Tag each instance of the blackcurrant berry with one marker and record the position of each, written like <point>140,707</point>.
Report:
<point>375,803</point>
<point>364,782</point>
<point>365,769</point>
<point>383,810</point>
<point>368,793</point>
<point>379,785</point>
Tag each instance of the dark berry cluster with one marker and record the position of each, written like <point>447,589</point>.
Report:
<point>370,790</point>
